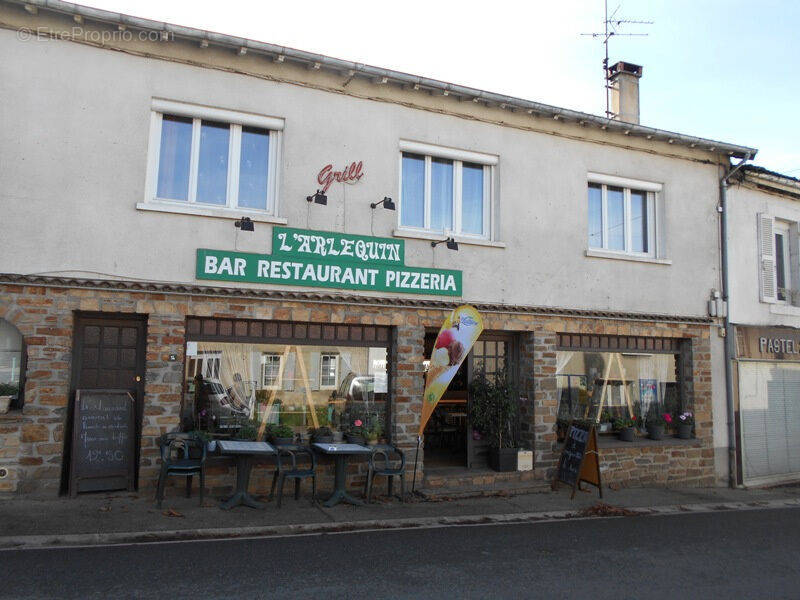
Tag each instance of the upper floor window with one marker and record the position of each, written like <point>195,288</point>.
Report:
<point>622,215</point>
<point>328,371</point>
<point>271,371</point>
<point>445,190</point>
<point>779,248</point>
<point>203,157</point>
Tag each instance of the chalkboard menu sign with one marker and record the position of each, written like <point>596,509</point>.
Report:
<point>579,459</point>
<point>103,436</point>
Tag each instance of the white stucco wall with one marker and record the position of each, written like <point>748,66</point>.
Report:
<point>744,206</point>
<point>74,125</point>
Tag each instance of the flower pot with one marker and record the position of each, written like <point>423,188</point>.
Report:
<point>503,459</point>
<point>685,431</point>
<point>282,441</point>
<point>626,434</point>
<point>655,432</point>
<point>5,402</point>
<point>338,436</point>
<point>322,439</point>
<point>355,439</point>
<point>372,442</point>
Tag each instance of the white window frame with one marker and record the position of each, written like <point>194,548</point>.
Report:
<point>459,157</point>
<point>653,191</point>
<point>782,228</point>
<point>279,381</point>
<point>236,120</point>
<point>335,358</point>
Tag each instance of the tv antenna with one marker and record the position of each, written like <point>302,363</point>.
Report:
<point>612,26</point>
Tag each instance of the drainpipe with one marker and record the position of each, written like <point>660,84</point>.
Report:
<point>729,337</point>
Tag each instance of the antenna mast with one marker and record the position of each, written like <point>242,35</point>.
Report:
<point>610,28</point>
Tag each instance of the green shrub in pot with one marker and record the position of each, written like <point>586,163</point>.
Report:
<point>494,412</point>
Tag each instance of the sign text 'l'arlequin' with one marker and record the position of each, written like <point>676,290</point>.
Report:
<point>331,260</point>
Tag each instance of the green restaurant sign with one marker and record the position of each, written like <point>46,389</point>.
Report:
<point>331,260</point>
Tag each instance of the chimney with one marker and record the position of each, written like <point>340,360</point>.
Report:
<point>623,78</point>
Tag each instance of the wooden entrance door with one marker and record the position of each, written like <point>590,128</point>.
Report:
<point>490,353</point>
<point>108,352</point>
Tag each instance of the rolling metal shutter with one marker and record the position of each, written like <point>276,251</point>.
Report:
<point>769,403</point>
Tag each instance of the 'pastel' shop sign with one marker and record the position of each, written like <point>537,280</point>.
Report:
<point>331,260</point>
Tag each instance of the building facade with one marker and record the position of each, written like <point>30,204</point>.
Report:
<point>765,311</point>
<point>179,203</point>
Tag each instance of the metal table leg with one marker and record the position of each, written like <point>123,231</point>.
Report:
<point>340,491</point>
<point>244,464</point>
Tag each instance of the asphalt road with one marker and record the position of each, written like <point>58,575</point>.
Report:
<point>746,554</point>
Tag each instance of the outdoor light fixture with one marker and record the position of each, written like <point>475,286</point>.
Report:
<point>245,224</point>
<point>451,243</point>
<point>387,202</point>
<point>319,198</point>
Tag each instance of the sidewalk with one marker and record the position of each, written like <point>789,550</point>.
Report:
<point>123,517</point>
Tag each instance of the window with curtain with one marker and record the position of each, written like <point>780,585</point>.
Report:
<point>302,387</point>
<point>603,386</point>
<point>444,194</point>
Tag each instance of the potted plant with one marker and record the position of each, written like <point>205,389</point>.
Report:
<point>493,412</point>
<point>280,434</point>
<point>8,392</point>
<point>322,435</point>
<point>656,422</point>
<point>355,434</point>
<point>625,428</point>
<point>605,424</point>
<point>248,431</point>
<point>684,423</point>
<point>373,431</point>
<point>207,439</point>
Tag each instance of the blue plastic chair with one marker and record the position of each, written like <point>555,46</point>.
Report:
<point>182,454</point>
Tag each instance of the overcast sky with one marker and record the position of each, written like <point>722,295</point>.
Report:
<point>722,69</point>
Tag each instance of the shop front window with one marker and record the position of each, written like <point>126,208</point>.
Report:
<point>12,363</point>
<point>234,388</point>
<point>606,386</point>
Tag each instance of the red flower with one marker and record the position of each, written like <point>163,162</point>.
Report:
<point>667,418</point>
<point>633,418</point>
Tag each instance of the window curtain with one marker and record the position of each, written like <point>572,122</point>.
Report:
<point>239,372</point>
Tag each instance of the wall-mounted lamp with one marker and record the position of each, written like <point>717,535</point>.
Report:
<point>451,243</point>
<point>387,203</point>
<point>245,224</point>
<point>319,198</point>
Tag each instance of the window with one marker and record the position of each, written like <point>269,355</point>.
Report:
<point>12,363</point>
<point>604,386</point>
<point>782,274</point>
<point>328,370</point>
<point>207,161</point>
<point>270,371</point>
<point>779,263</point>
<point>444,190</point>
<point>622,215</point>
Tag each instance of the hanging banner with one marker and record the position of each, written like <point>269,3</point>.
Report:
<point>456,337</point>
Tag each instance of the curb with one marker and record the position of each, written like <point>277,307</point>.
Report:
<point>46,541</point>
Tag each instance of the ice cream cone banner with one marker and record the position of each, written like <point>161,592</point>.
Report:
<point>456,338</point>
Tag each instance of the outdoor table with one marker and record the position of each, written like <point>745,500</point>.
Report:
<point>340,452</point>
<point>244,452</point>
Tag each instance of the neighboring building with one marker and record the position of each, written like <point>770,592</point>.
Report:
<point>764,213</point>
<point>132,151</point>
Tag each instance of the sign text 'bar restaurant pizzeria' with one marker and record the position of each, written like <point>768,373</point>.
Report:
<point>332,260</point>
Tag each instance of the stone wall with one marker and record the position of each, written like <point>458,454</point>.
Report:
<point>32,439</point>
